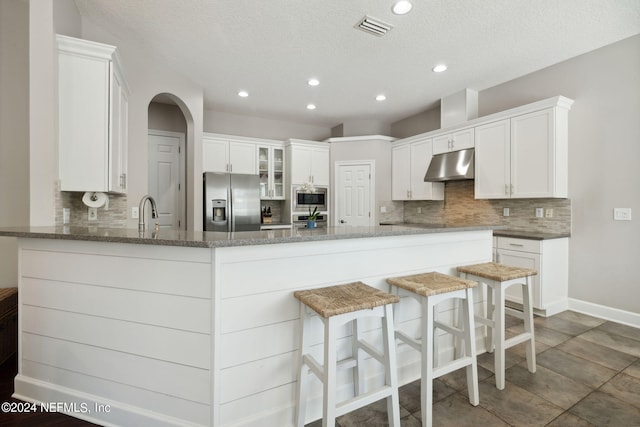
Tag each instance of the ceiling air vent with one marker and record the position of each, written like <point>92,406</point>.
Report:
<point>373,26</point>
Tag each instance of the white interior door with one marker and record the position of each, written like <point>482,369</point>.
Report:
<point>166,180</point>
<point>354,200</point>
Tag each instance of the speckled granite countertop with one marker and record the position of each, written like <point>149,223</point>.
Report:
<point>202,239</point>
<point>497,231</point>
<point>530,235</point>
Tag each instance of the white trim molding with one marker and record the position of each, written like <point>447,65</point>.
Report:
<point>603,312</point>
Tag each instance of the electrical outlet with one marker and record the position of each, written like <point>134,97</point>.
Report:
<point>548,213</point>
<point>505,211</point>
<point>134,213</point>
<point>383,209</point>
<point>66,214</point>
<point>419,210</point>
<point>539,212</point>
<point>93,214</point>
<point>622,214</point>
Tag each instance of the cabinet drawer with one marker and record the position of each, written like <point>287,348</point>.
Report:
<point>524,245</point>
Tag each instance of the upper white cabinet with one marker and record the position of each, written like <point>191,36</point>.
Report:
<point>271,168</point>
<point>409,163</point>
<point>524,156</point>
<point>92,111</point>
<point>223,154</point>
<point>308,162</point>
<point>453,141</point>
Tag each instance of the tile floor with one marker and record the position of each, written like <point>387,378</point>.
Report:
<point>588,374</point>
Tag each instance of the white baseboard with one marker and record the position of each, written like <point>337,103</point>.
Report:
<point>603,312</point>
<point>88,407</point>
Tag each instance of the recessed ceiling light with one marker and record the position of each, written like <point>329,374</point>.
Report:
<point>402,7</point>
<point>243,93</point>
<point>380,97</point>
<point>313,82</point>
<point>439,68</point>
<point>311,107</point>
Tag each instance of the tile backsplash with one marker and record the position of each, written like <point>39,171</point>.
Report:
<point>460,207</point>
<point>112,215</point>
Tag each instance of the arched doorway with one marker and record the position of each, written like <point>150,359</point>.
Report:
<point>167,183</point>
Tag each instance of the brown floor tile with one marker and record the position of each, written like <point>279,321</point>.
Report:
<point>544,335</point>
<point>634,369</point>
<point>602,409</point>
<point>576,317</point>
<point>625,388</point>
<point>561,325</point>
<point>458,379</point>
<point>410,394</point>
<point>597,353</point>
<point>486,360</point>
<point>614,341</point>
<point>521,349</point>
<point>549,385</point>
<point>456,411</point>
<point>576,368</point>
<point>619,329</point>
<point>517,406</point>
<point>371,416</point>
<point>569,420</point>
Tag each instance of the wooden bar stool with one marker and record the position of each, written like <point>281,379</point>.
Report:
<point>497,278</point>
<point>430,289</point>
<point>337,305</point>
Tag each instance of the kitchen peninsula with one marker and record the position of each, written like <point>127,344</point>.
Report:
<point>201,328</point>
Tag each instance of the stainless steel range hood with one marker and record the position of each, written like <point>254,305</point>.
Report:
<point>452,166</point>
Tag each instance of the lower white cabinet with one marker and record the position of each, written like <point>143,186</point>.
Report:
<point>550,258</point>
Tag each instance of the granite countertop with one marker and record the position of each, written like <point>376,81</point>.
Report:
<point>499,231</point>
<point>530,235</point>
<point>208,239</point>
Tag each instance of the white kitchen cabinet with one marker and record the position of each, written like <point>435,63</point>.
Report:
<point>454,141</point>
<point>93,110</point>
<point>524,156</point>
<point>493,161</point>
<point>550,258</point>
<point>271,168</point>
<point>308,162</point>
<point>222,154</point>
<point>409,163</point>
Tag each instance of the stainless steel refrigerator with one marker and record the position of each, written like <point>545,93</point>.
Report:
<point>231,202</point>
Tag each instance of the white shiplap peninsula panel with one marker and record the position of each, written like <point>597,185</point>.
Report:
<point>123,325</point>
<point>257,322</point>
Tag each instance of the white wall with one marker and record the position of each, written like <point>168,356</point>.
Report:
<point>259,127</point>
<point>14,130</point>
<point>166,117</point>
<point>604,148</point>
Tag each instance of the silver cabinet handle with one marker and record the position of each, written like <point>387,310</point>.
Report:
<point>516,244</point>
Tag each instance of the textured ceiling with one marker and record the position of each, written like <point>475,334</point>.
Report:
<point>271,48</point>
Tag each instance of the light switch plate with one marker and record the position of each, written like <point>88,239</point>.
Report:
<point>622,214</point>
<point>134,213</point>
<point>539,212</point>
<point>505,211</point>
<point>93,214</point>
<point>66,214</point>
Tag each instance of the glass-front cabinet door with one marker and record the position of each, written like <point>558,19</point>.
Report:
<point>271,171</point>
<point>278,173</point>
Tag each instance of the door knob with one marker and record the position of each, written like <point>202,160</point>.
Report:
<point>342,221</point>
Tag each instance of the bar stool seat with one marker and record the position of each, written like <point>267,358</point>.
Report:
<point>335,306</point>
<point>498,277</point>
<point>430,289</point>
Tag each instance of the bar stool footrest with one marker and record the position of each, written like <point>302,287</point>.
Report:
<point>452,366</point>
<point>518,339</point>
<point>363,400</point>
